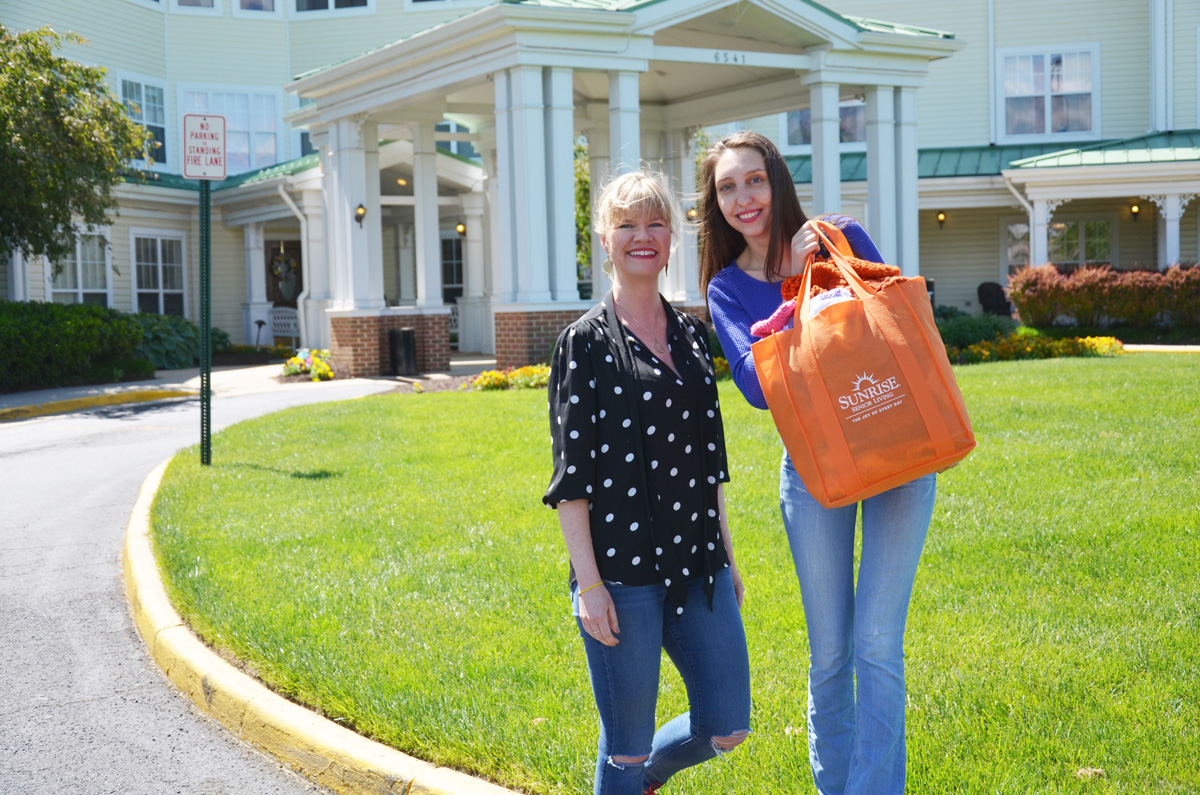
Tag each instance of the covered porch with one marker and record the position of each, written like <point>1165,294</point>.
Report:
<point>526,79</point>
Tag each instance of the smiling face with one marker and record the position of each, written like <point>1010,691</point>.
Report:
<point>639,245</point>
<point>744,192</point>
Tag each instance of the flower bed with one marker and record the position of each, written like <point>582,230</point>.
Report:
<point>533,376</point>
<point>314,363</point>
<point>1032,346</point>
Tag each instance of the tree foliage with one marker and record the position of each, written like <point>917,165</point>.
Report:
<point>64,140</point>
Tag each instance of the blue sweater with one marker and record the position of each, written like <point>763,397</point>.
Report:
<point>737,301</point>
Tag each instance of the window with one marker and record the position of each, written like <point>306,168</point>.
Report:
<point>1052,92</point>
<point>452,267</point>
<point>146,102</point>
<point>1072,242</point>
<point>258,9</point>
<point>158,279</point>
<point>797,125</point>
<point>83,279</point>
<point>252,123</point>
<point>199,7</point>
<point>1080,243</point>
<point>460,148</point>
<point>306,147</point>
<point>1016,247</point>
<point>315,8</point>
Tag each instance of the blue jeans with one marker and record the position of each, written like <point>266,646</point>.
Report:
<point>709,650</point>
<point>856,744</point>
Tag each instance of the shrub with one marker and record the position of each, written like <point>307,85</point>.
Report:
<point>1183,289</point>
<point>1036,292</point>
<point>1137,298</point>
<point>965,329</point>
<point>315,363</point>
<point>714,342</point>
<point>942,313</point>
<point>1026,346</point>
<point>721,368</point>
<point>1087,294</point>
<point>220,340</point>
<point>170,342</point>
<point>45,345</point>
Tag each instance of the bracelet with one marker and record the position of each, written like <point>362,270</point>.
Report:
<point>590,587</point>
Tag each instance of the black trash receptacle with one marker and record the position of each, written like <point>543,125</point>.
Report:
<point>402,347</point>
<point>932,297</point>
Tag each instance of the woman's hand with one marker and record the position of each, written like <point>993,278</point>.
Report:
<point>598,615</point>
<point>804,243</point>
<point>739,588</point>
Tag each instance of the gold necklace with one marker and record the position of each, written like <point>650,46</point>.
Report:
<point>661,347</point>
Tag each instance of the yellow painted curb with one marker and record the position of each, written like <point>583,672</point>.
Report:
<point>319,749</point>
<point>92,401</point>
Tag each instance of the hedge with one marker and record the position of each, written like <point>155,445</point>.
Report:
<point>44,345</point>
<point>1102,296</point>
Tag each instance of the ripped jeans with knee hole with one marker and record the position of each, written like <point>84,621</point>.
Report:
<point>709,650</point>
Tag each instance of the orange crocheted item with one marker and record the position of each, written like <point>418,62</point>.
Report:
<point>826,276</point>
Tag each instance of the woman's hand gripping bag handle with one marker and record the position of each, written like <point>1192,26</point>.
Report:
<point>862,393</point>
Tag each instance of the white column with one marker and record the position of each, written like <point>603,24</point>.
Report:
<point>826,127</point>
<point>1039,232</point>
<point>18,278</point>
<point>356,251</point>
<point>257,306</point>
<point>598,168</point>
<point>682,280</point>
<point>881,170</point>
<point>1170,212</point>
<point>624,109</point>
<point>502,193</point>
<point>560,182</point>
<point>406,264</point>
<point>472,310</point>
<point>317,284</point>
<point>425,217</point>
<point>532,252</point>
<point>908,249</point>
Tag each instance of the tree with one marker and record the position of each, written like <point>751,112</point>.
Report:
<point>64,142</point>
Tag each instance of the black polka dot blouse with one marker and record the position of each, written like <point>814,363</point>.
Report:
<point>644,446</point>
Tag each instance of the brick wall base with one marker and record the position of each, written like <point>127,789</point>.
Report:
<point>526,337</point>
<point>361,343</point>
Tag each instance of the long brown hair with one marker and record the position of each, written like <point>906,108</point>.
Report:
<point>720,244</point>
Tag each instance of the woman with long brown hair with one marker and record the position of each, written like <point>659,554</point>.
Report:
<point>754,235</point>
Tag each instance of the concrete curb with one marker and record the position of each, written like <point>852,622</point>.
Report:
<point>319,749</point>
<point>91,401</point>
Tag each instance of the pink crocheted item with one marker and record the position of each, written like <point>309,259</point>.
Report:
<point>776,322</point>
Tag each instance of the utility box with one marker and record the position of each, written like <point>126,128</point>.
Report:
<point>402,347</point>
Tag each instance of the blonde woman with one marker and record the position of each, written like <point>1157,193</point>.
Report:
<point>639,468</point>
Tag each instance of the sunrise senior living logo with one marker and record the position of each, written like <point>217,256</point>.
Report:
<point>870,395</point>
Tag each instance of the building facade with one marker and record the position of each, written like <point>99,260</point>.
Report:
<point>968,141</point>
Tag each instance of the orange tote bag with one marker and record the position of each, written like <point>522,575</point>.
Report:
<point>862,392</point>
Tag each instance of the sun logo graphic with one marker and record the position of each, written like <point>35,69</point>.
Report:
<point>860,379</point>
<point>868,391</point>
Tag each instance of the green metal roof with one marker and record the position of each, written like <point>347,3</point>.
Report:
<point>277,170</point>
<point>957,161</point>
<point>159,179</point>
<point>1165,147</point>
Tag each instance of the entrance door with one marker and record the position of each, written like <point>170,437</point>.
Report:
<point>285,272</point>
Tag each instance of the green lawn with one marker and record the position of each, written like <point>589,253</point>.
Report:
<point>388,561</point>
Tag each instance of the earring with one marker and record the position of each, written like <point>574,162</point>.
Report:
<point>608,266</point>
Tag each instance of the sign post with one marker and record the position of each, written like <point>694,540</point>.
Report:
<point>204,159</point>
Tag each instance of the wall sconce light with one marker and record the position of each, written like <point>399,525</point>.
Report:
<point>692,213</point>
<point>461,228</point>
<point>941,219</point>
<point>360,213</point>
<point>402,182</point>
<point>1134,210</point>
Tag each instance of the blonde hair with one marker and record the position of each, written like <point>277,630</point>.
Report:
<point>633,194</point>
